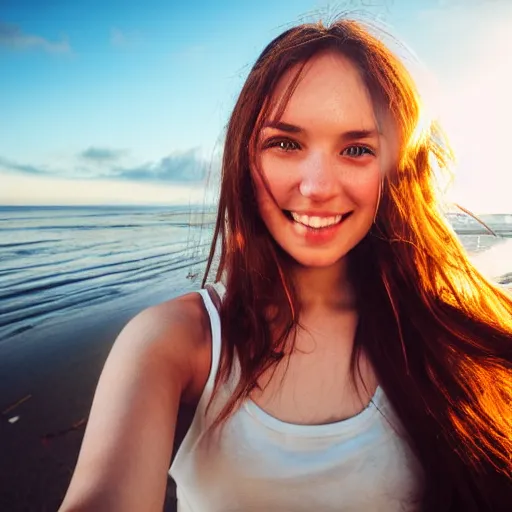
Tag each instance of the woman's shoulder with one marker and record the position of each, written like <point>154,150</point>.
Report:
<point>187,310</point>
<point>177,333</point>
<point>181,320</point>
<point>178,330</point>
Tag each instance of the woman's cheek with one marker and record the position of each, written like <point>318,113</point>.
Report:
<point>363,187</point>
<point>280,175</point>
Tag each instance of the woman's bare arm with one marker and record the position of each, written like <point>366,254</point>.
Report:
<point>128,441</point>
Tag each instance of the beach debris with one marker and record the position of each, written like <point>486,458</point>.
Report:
<point>14,419</point>
<point>14,405</point>
<point>75,426</point>
<point>79,423</point>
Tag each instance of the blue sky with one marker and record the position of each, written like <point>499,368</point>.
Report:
<point>126,102</point>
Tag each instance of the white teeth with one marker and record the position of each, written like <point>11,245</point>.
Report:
<point>316,222</point>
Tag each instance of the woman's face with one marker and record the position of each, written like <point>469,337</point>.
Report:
<point>323,161</point>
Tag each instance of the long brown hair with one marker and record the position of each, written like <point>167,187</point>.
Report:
<point>438,333</point>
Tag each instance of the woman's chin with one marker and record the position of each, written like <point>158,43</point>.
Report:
<point>317,261</point>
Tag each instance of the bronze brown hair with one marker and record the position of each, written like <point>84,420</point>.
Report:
<point>438,333</point>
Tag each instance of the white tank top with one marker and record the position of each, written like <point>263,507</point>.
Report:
<point>259,463</point>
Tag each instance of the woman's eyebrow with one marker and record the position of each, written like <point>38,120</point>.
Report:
<point>284,127</point>
<point>348,135</point>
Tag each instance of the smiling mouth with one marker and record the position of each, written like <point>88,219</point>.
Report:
<point>316,223</point>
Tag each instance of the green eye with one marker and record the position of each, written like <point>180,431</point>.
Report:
<point>282,144</point>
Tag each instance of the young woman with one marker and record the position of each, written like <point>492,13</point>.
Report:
<point>349,356</point>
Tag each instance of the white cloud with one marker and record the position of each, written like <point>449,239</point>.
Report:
<point>12,37</point>
<point>123,39</point>
<point>97,154</point>
<point>99,163</point>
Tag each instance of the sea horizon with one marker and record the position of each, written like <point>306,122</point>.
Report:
<point>211,206</point>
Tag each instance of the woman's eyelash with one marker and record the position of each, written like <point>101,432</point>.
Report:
<point>273,143</point>
<point>358,150</point>
<point>354,151</point>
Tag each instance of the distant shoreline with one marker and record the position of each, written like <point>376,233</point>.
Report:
<point>457,215</point>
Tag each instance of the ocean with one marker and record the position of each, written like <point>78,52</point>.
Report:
<point>56,260</point>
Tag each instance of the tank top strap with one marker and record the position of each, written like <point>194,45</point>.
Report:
<point>201,419</point>
<point>211,301</point>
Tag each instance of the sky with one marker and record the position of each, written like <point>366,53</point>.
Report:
<point>126,102</point>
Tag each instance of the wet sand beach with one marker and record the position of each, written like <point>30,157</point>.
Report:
<point>47,383</point>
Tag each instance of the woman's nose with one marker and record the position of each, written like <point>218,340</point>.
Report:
<point>318,180</point>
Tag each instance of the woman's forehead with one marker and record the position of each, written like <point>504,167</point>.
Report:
<point>331,93</point>
<point>329,89</point>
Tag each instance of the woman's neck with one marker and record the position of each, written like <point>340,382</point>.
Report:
<point>325,288</point>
